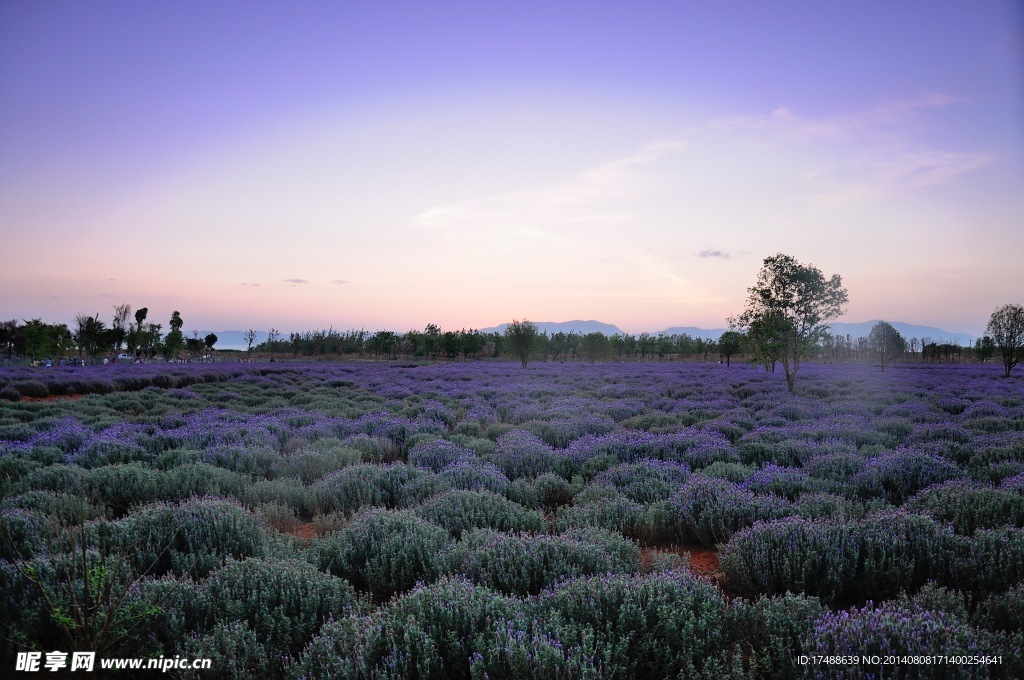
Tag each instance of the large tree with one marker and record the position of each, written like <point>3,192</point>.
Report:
<point>210,340</point>
<point>886,342</point>
<point>119,325</point>
<point>175,340</point>
<point>1006,328</point>
<point>729,344</point>
<point>799,300</point>
<point>520,336</point>
<point>595,346</point>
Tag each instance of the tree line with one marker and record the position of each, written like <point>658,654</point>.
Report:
<point>785,321</point>
<point>92,339</point>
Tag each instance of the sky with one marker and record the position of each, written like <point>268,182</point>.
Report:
<point>392,164</point>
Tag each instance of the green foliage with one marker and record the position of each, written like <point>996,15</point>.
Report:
<point>283,602</point>
<point>519,338</point>
<point>1006,328</point>
<point>385,552</point>
<point>969,507</point>
<point>369,484</point>
<point>875,558</point>
<point>776,630</point>
<point>661,625</point>
<point>191,538</point>
<point>526,564</point>
<point>430,632</point>
<point>119,487</point>
<point>710,510</point>
<point>610,511</point>
<point>234,650</point>
<point>886,342</point>
<point>789,307</point>
<point>461,511</point>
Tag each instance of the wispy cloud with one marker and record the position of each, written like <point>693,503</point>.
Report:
<point>843,126</point>
<point>888,153</point>
<point>295,281</point>
<point>602,196</point>
<point>713,253</point>
<point>339,282</point>
<point>254,285</point>
<point>928,167</point>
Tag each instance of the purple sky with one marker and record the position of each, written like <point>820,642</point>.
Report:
<point>376,165</point>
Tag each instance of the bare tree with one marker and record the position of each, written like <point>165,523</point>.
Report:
<point>1006,328</point>
<point>250,337</point>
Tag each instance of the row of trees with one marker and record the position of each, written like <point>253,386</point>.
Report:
<point>785,321</point>
<point>790,305</point>
<point>91,337</point>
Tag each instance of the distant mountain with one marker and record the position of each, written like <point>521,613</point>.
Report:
<point>693,332</point>
<point>854,330</point>
<point>552,327</point>
<point>908,331</point>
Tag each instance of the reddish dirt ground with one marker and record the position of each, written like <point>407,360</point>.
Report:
<point>306,531</point>
<point>703,561</point>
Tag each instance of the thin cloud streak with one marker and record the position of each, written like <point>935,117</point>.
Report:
<point>554,214</point>
<point>846,126</point>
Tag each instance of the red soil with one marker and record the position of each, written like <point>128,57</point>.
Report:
<point>306,531</point>
<point>703,561</point>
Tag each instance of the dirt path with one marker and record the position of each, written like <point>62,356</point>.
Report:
<point>703,561</point>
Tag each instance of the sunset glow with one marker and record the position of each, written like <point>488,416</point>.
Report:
<point>389,165</point>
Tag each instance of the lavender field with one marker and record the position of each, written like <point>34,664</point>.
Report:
<point>481,520</point>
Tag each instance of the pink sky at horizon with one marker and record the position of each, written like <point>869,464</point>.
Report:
<point>633,166</point>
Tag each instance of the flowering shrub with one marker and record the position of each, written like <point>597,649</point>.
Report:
<point>664,452</point>
<point>710,510</point>
<point>193,537</point>
<point>776,628</point>
<point>785,482</point>
<point>970,506</point>
<point>877,557</point>
<point>525,564</point>
<point>284,602</point>
<point>889,629</point>
<point>473,474</point>
<point>897,475</point>
<point>523,454</point>
<point>368,484</point>
<point>430,632</point>
<point>462,511</point>
<point>610,511</point>
<point>385,552</point>
<point>646,480</point>
<point>660,625</point>
<point>120,487</point>
<point>435,455</point>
